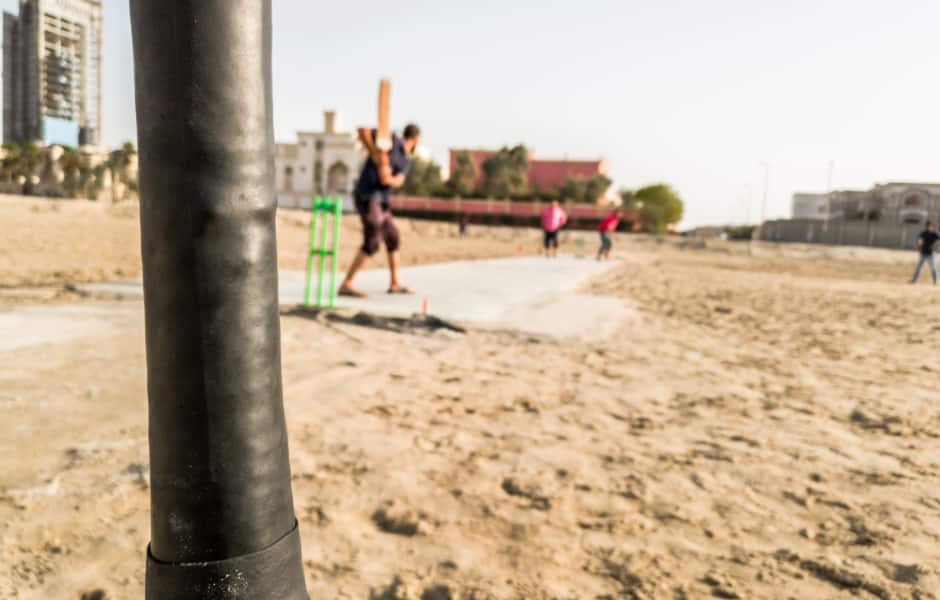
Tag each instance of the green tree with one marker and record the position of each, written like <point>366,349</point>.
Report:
<point>29,160</point>
<point>507,173</point>
<point>424,178</point>
<point>11,160</point>
<point>660,206</point>
<point>121,158</point>
<point>547,195</point>
<point>128,152</point>
<point>463,178</point>
<point>595,188</point>
<point>124,158</point>
<point>72,163</point>
<point>572,189</point>
<point>627,198</point>
<point>584,190</point>
<point>740,232</point>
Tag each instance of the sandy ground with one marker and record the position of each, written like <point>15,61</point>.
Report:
<point>766,427</point>
<point>48,244</point>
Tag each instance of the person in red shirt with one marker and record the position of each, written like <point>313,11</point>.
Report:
<point>608,226</point>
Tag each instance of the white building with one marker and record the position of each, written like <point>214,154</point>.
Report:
<point>907,202</point>
<point>895,202</point>
<point>323,163</point>
<point>814,206</point>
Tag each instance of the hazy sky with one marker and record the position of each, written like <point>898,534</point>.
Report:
<point>693,93</point>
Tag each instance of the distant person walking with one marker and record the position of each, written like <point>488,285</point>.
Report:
<point>553,219</point>
<point>608,226</point>
<point>462,225</point>
<point>925,244</point>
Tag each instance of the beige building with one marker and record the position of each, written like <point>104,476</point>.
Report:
<point>817,207</point>
<point>319,163</point>
<point>892,202</point>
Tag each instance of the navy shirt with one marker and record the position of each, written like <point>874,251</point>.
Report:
<point>369,182</point>
<point>927,240</point>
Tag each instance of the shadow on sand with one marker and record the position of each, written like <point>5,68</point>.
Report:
<point>416,324</point>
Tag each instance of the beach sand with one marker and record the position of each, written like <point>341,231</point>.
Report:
<point>47,244</point>
<point>764,424</point>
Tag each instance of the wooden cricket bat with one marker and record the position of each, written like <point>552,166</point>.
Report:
<point>383,135</point>
<point>379,146</point>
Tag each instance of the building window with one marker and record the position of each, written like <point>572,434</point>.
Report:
<point>319,145</point>
<point>304,143</point>
<point>303,169</point>
<point>288,179</point>
<point>337,178</point>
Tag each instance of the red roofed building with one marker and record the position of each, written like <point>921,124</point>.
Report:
<point>543,174</point>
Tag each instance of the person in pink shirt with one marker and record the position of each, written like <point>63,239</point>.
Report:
<point>553,219</point>
<point>608,226</point>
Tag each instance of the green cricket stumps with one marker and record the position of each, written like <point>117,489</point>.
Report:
<point>337,223</point>
<point>323,220</point>
<point>322,209</point>
<point>311,247</point>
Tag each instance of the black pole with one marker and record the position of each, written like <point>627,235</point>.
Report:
<point>222,517</point>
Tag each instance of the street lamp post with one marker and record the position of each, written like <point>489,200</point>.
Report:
<point>763,210</point>
<point>832,165</point>
<point>222,516</point>
<point>749,199</point>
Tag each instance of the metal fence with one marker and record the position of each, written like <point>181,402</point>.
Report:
<point>844,233</point>
<point>504,212</point>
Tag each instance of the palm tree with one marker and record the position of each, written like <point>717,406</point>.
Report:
<point>30,159</point>
<point>72,163</point>
<point>127,153</point>
<point>125,157</point>
<point>119,160</point>
<point>11,160</point>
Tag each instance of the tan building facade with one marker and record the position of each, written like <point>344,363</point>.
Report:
<point>817,207</point>
<point>892,202</point>
<point>319,163</point>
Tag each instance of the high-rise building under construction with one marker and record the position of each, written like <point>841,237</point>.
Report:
<point>52,72</point>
